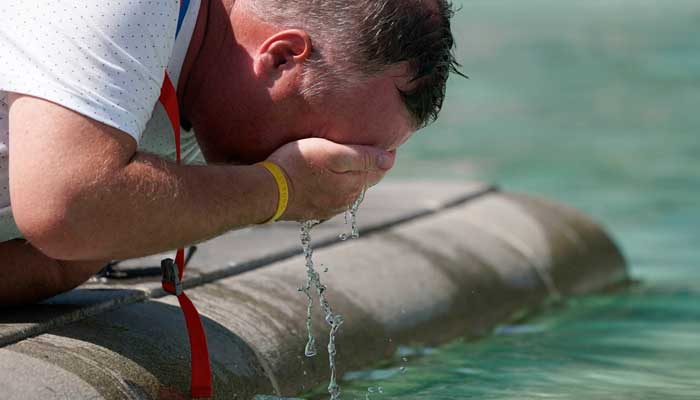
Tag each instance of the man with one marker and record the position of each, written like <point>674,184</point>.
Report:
<point>327,90</point>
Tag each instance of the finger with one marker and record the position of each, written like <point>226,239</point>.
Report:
<point>374,177</point>
<point>351,158</point>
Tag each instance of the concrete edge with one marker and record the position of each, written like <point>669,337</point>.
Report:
<point>140,292</point>
<point>458,272</point>
<point>224,272</point>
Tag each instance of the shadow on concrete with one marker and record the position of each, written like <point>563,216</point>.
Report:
<point>17,323</point>
<point>144,348</point>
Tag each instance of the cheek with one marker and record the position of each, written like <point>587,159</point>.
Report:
<point>254,145</point>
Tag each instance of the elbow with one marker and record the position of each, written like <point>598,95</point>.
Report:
<point>50,227</point>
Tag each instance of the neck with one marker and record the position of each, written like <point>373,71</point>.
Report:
<point>212,56</point>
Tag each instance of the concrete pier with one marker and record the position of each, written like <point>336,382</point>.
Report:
<point>434,262</point>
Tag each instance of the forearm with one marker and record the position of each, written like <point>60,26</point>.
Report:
<point>80,190</point>
<point>151,205</point>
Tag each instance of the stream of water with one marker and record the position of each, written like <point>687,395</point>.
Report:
<point>313,281</point>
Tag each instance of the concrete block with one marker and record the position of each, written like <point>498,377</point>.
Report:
<point>456,269</point>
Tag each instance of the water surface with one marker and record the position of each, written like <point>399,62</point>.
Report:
<point>597,104</point>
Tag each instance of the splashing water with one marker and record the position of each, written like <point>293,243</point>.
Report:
<point>334,320</point>
<point>313,280</point>
<point>352,213</point>
<point>372,390</point>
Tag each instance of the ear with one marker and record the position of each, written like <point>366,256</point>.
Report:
<point>282,55</point>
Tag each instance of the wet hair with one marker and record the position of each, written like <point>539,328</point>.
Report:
<point>358,39</point>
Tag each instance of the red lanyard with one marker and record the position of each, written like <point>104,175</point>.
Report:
<point>201,385</point>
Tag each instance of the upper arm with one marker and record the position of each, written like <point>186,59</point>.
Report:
<point>105,60</point>
<point>90,74</point>
<point>57,156</point>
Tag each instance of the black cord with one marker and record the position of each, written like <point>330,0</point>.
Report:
<point>110,272</point>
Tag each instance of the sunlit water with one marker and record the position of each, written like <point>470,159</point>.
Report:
<point>351,217</point>
<point>597,104</point>
<point>313,281</point>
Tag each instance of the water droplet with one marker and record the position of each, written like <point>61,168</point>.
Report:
<point>310,349</point>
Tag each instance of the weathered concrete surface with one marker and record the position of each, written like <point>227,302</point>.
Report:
<point>458,271</point>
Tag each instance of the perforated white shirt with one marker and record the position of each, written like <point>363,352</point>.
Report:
<point>103,59</point>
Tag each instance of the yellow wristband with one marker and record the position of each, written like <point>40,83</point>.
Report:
<point>282,187</point>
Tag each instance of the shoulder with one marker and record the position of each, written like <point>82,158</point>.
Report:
<point>83,21</point>
<point>104,59</point>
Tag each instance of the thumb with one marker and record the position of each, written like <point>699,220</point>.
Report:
<point>357,158</point>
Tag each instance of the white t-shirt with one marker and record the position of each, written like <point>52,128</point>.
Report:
<point>102,59</point>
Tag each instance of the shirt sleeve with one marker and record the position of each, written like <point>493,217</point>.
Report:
<point>103,59</point>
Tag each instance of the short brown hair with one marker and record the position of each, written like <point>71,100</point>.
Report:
<point>367,37</point>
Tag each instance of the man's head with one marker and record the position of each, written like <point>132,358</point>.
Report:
<point>361,72</point>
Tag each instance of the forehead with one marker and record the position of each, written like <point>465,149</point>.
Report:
<point>369,113</point>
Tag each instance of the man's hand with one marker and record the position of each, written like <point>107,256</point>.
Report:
<point>326,177</point>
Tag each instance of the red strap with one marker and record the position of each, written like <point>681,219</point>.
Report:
<point>201,385</point>
<point>168,98</point>
<point>201,367</point>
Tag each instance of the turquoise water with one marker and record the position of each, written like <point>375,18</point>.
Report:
<point>595,103</point>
